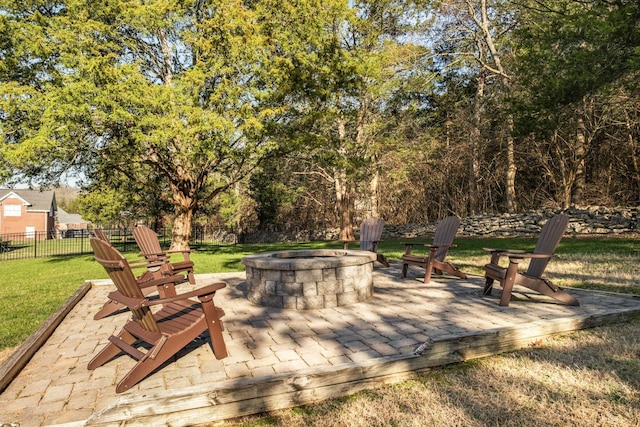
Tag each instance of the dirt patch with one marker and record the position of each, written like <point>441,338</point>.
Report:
<point>6,353</point>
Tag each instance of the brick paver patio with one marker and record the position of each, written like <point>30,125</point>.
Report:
<point>280,358</point>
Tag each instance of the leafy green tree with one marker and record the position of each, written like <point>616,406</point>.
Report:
<point>346,63</point>
<point>103,208</point>
<point>179,91</point>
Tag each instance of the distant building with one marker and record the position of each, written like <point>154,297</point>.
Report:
<point>67,221</point>
<point>28,212</point>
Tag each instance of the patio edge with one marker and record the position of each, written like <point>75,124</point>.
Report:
<point>231,399</point>
<point>21,356</point>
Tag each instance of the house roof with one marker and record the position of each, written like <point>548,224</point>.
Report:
<point>67,218</point>
<point>35,200</point>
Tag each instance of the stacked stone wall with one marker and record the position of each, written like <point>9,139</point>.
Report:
<point>593,220</point>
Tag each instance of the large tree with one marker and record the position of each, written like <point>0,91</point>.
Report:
<point>175,90</point>
<point>357,57</point>
<point>575,61</point>
<point>472,38</point>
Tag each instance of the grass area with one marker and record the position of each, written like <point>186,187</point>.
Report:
<point>585,378</point>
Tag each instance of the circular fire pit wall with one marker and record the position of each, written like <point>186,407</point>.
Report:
<point>309,279</point>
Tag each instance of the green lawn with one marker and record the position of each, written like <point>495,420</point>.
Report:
<point>32,289</point>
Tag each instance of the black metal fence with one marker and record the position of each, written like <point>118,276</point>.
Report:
<point>76,242</point>
<point>43,244</point>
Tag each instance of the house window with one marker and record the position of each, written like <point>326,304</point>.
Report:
<point>12,210</point>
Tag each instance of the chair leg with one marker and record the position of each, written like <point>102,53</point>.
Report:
<point>161,351</point>
<point>108,309</point>
<point>143,368</point>
<point>110,350</point>
<point>507,283</point>
<point>191,277</point>
<point>441,267</point>
<point>545,287</point>
<point>382,260</point>
<point>214,324</point>
<point>428,268</point>
<point>488,286</point>
<point>405,268</point>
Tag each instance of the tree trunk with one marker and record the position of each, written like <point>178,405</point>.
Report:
<point>511,168</point>
<point>344,203</point>
<point>577,195</point>
<point>474,145</point>
<point>344,200</point>
<point>483,22</point>
<point>181,232</point>
<point>373,196</point>
<point>564,179</point>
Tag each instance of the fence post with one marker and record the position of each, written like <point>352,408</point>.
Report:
<point>125,234</point>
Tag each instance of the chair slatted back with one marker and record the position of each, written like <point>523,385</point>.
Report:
<point>100,234</point>
<point>120,273</point>
<point>370,231</point>
<point>147,240</point>
<point>549,238</point>
<point>446,231</point>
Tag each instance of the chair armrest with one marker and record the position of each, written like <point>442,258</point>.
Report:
<point>143,263</point>
<point>133,303</point>
<point>205,290</point>
<point>514,254</point>
<point>175,279</point>
<point>432,245</point>
<point>152,254</point>
<point>513,251</point>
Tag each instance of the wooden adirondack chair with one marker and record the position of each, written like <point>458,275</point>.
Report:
<point>152,270</point>
<point>149,244</point>
<point>370,235</point>
<point>153,338</point>
<point>434,262</point>
<point>550,236</point>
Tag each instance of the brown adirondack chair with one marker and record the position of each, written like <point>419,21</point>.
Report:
<point>152,270</point>
<point>434,262</point>
<point>370,235</point>
<point>149,244</point>
<point>149,337</point>
<point>550,236</point>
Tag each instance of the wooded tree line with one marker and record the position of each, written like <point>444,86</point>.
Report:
<point>309,113</point>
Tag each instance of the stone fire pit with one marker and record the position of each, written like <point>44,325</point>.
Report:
<point>309,279</point>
